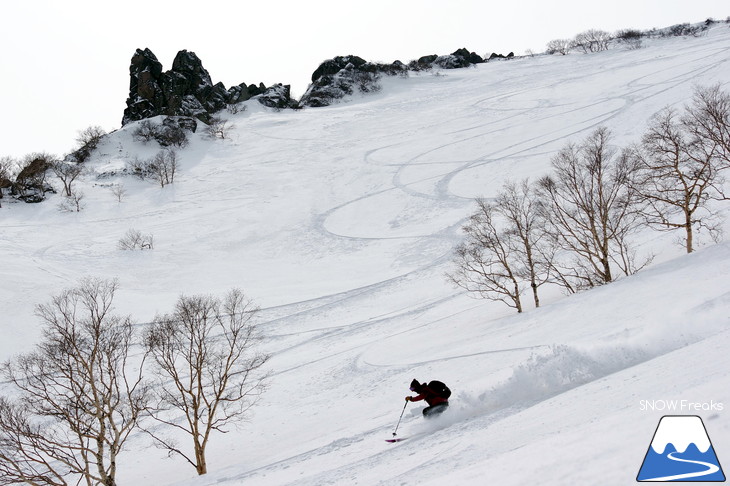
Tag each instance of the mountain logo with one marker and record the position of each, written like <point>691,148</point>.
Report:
<point>680,451</point>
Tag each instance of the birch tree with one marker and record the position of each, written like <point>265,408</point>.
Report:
<point>525,228</point>
<point>209,368</point>
<point>75,399</point>
<point>590,204</point>
<point>680,175</point>
<point>486,262</point>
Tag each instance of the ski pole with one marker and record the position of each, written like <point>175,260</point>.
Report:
<point>401,416</point>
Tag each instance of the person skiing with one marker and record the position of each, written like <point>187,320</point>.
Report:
<point>436,395</point>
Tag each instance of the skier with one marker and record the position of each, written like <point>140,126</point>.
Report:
<point>436,395</point>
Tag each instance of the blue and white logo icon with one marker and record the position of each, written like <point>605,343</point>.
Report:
<point>681,451</point>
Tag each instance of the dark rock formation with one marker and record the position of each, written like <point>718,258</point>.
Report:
<point>494,55</point>
<point>470,57</point>
<point>277,96</point>
<point>185,90</point>
<point>189,91</point>
<point>145,90</point>
<point>341,76</point>
<point>460,58</point>
<point>240,93</point>
<point>423,63</point>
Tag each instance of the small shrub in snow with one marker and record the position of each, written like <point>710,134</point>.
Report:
<point>685,29</point>
<point>170,135</point>
<point>218,128</point>
<point>161,168</point>
<point>631,38</point>
<point>137,167</point>
<point>235,108</point>
<point>87,140</point>
<point>119,191</point>
<point>72,202</point>
<point>145,132</point>
<point>166,134</point>
<point>135,240</point>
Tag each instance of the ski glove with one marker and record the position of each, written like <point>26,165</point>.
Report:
<point>408,399</point>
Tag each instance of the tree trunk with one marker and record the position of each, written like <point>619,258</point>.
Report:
<point>200,465</point>
<point>688,227</point>
<point>516,298</point>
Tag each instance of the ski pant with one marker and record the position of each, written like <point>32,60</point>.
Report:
<point>435,410</point>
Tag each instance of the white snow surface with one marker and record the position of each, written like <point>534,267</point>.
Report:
<point>340,223</point>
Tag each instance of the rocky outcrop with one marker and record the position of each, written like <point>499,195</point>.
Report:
<point>494,55</point>
<point>343,75</point>
<point>460,58</point>
<point>277,96</point>
<point>146,98</point>
<point>186,90</point>
<point>242,92</point>
<point>189,90</point>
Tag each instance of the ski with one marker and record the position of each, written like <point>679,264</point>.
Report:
<point>396,440</point>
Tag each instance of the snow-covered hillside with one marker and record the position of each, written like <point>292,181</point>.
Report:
<point>340,222</point>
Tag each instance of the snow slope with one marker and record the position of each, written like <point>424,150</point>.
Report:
<point>339,222</point>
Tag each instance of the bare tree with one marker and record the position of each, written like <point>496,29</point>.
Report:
<point>67,173</point>
<point>486,262</point>
<point>208,367</point>
<point>32,175</point>
<point>592,40</point>
<point>7,165</point>
<point>77,397</point>
<point>88,140</point>
<point>680,175</point>
<point>525,225</point>
<point>591,209</point>
<point>163,167</point>
<point>91,136</point>
<point>119,191</point>
<point>558,46</point>
<point>707,119</point>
